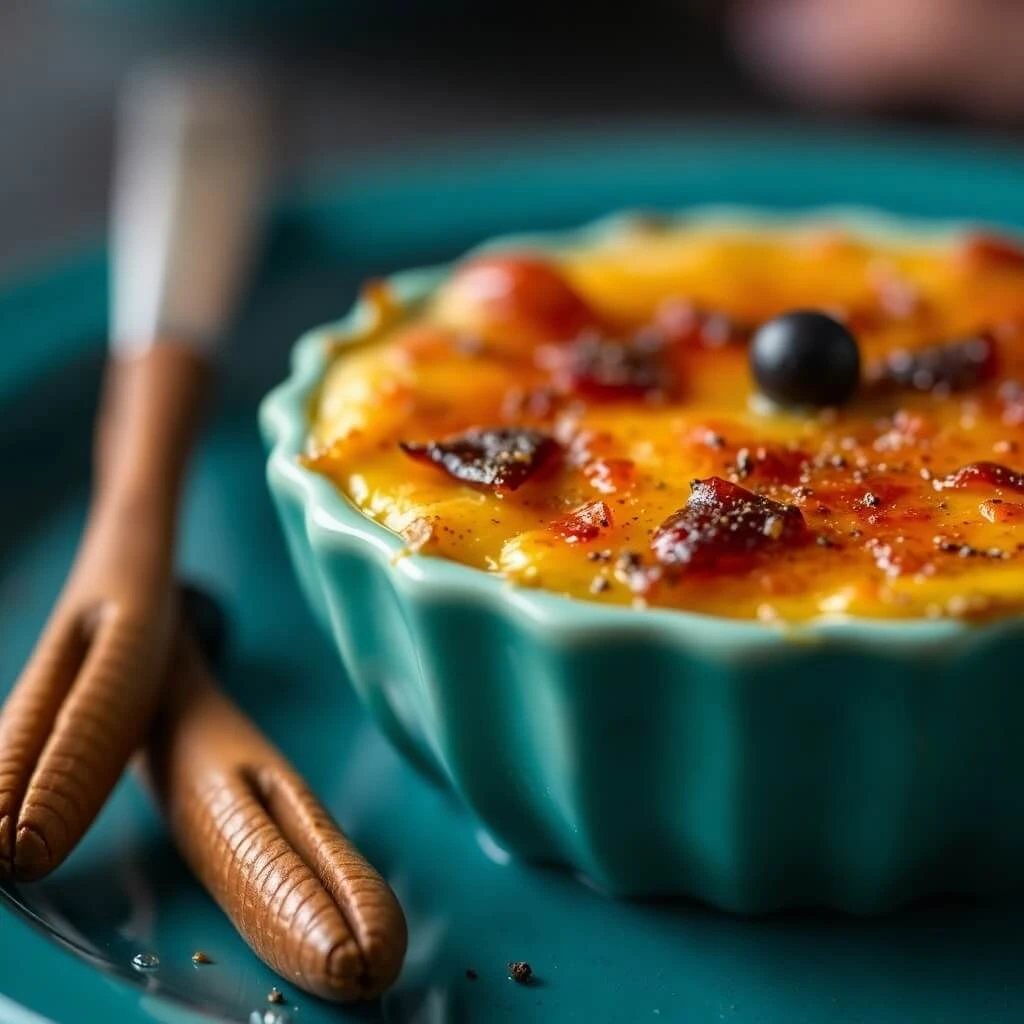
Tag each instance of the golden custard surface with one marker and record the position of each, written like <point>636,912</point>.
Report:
<point>601,402</point>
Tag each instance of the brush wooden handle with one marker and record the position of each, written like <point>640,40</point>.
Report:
<point>85,699</point>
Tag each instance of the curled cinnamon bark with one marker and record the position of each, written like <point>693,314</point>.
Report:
<point>292,884</point>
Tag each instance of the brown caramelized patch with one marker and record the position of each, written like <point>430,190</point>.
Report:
<point>952,366</point>
<point>503,458</point>
<point>600,369</point>
<point>723,526</point>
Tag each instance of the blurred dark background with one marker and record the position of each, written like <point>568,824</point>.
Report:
<point>362,78</point>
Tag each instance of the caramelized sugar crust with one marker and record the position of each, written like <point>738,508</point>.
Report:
<point>587,422</point>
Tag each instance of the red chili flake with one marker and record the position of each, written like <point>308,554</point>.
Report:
<point>527,288</point>
<point>604,369</point>
<point>951,366</point>
<point>681,322</point>
<point>723,525</point>
<point>987,249</point>
<point>503,458</point>
<point>985,474</point>
<point>584,524</point>
<point>609,476</point>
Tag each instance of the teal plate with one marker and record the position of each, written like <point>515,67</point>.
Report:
<point>66,944</point>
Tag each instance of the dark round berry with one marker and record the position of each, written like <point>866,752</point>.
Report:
<point>208,621</point>
<point>805,358</point>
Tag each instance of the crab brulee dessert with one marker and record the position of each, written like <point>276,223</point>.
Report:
<point>771,421</point>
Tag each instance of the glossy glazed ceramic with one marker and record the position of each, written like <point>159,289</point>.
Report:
<point>66,943</point>
<point>855,764</point>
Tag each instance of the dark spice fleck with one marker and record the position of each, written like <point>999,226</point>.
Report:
<point>520,971</point>
<point>599,585</point>
<point>950,547</point>
<point>744,463</point>
<point>871,500</point>
<point>628,560</point>
<point>275,995</point>
<point>824,541</point>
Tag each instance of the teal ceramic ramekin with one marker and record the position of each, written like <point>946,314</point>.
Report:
<point>851,764</point>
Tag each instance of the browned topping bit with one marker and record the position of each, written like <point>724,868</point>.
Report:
<point>605,369</point>
<point>870,500</point>
<point>599,585</point>
<point>990,474</point>
<point>199,957</point>
<point>503,458</point>
<point>951,366</point>
<point>722,526</point>
<point>520,972</point>
<point>471,974</point>
<point>275,995</point>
